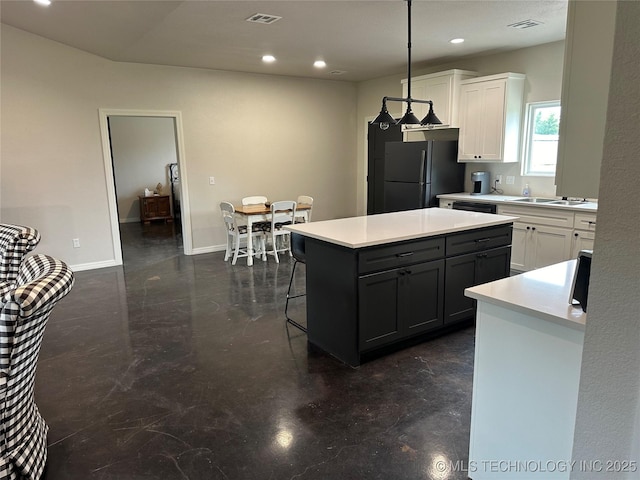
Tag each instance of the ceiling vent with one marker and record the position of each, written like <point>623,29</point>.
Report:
<point>263,18</point>
<point>525,24</point>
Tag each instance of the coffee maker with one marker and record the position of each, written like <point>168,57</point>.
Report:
<point>480,183</point>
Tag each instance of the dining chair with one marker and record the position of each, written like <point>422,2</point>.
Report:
<point>303,216</point>
<point>257,200</point>
<point>299,256</point>
<point>41,282</point>
<point>237,233</point>
<point>282,213</point>
<point>254,200</point>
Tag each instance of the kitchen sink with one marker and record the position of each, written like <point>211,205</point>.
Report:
<point>535,200</point>
<point>568,202</point>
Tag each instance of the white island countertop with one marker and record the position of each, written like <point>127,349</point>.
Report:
<point>542,293</point>
<point>370,230</point>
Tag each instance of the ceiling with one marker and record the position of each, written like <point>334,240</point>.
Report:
<point>358,39</point>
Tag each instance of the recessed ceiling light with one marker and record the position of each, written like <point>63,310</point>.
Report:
<point>319,64</point>
<point>456,40</point>
<point>268,58</point>
<point>44,3</point>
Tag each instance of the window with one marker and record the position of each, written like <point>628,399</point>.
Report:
<point>541,138</point>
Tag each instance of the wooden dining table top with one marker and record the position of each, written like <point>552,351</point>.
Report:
<point>263,209</point>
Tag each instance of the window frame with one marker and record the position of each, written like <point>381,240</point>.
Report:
<point>527,137</point>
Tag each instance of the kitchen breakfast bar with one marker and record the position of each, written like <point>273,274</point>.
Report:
<point>381,281</point>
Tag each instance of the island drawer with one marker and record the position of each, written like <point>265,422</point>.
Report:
<point>381,258</point>
<point>474,241</point>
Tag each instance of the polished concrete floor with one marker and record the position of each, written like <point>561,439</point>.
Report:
<point>178,367</point>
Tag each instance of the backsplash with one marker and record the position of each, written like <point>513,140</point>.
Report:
<point>538,186</point>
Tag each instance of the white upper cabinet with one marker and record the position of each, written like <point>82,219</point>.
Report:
<point>442,89</point>
<point>585,92</point>
<point>490,117</point>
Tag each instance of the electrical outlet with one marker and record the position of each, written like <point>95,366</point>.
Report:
<point>76,243</point>
<point>212,180</point>
<point>511,179</point>
<point>498,179</point>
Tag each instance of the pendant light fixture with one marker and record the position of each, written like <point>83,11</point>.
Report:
<point>409,118</point>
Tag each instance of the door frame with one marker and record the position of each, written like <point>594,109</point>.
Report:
<point>104,114</point>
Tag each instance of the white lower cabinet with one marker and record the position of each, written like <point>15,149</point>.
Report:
<point>550,245</point>
<point>536,245</point>
<point>581,241</point>
<point>542,236</point>
<point>584,233</point>
<point>519,246</point>
<point>545,236</point>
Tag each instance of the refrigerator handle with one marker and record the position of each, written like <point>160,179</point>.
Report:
<point>422,166</point>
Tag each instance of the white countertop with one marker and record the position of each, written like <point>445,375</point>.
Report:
<point>358,232</point>
<point>542,293</point>
<point>511,200</point>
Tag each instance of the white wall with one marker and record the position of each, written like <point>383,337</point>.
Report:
<point>142,148</point>
<point>607,425</point>
<point>541,64</point>
<point>257,134</point>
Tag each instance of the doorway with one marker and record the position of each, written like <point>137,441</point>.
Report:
<point>183,220</point>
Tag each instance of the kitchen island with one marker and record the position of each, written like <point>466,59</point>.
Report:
<point>382,281</point>
<point>528,355</point>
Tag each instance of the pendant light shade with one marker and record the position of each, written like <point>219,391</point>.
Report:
<point>384,119</point>
<point>431,118</point>
<point>409,118</point>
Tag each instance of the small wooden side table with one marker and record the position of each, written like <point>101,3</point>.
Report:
<point>156,207</point>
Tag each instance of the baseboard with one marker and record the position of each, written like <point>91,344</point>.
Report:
<point>94,265</point>
<point>210,249</point>
<point>112,263</point>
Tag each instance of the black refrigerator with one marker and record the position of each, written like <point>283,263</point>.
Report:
<point>415,172</point>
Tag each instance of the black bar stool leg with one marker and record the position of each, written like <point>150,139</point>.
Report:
<point>289,296</point>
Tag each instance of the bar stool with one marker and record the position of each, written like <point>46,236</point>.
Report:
<point>299,256</point>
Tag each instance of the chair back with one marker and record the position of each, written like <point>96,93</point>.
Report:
<point>15,242</point>
<point>298,247</point>
<point>41,282</point>
<point>255,200</point>
<point>282,213</point>
<point>306,200</point>
<point>228,215</point>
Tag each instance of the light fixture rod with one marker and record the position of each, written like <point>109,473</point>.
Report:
<point>409,52</point>
<point>399,99</point>
<point>384,119</point>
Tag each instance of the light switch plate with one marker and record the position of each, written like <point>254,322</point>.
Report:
<point>212,180</point>
<point>511,179</point>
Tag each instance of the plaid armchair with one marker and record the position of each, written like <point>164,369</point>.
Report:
<point>15,242</point>
<point>24,310</point>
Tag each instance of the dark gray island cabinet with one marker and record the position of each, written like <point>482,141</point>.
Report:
<point>381,281</point>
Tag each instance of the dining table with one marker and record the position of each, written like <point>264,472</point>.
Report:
<point>251,214</point>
